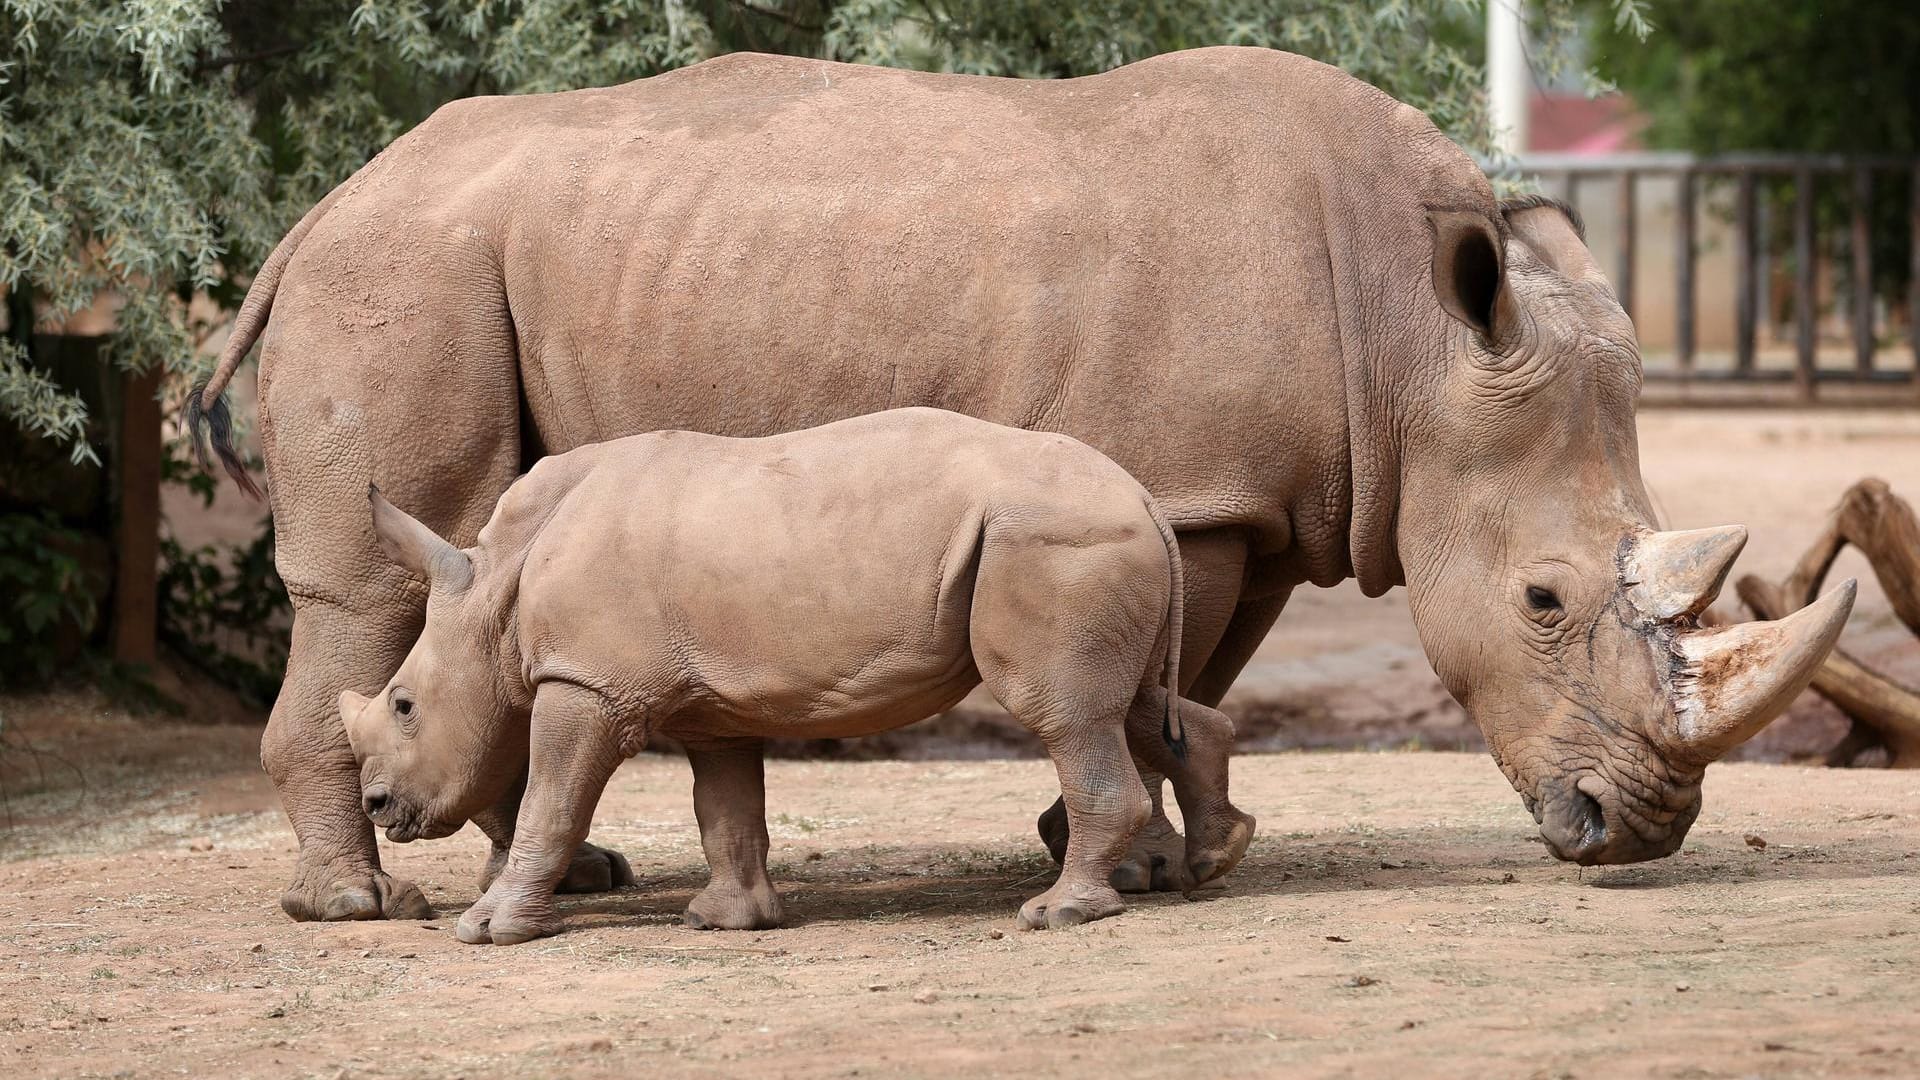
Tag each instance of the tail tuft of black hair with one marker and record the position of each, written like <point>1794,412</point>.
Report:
<point>215,426</point>
<point>1179,745</point>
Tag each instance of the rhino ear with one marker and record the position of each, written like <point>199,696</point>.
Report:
<point>1469,270</point>
<point>416,548</point>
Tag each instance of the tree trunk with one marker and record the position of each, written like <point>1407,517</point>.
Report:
<point>137,521</point>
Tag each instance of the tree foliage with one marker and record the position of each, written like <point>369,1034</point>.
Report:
<point>152,149</point>
<point>1816,76</point>
<point>1806,76</point>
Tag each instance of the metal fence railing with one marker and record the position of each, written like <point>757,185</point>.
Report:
<point>1565,175</point>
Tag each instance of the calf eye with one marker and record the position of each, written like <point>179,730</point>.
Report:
<point>1540,599</point>
<point>403,705</point>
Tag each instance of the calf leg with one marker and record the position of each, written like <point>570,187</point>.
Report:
<point>592,869</point>
<point>1217,831</point>
<point>730,801</point>
<point>575,749</point>
<point>1212,564</point>
<point>1106,804</point>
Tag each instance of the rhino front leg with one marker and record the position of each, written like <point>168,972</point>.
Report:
<point>593,868</point>
<point>575,750</point>
<point>730,802</point>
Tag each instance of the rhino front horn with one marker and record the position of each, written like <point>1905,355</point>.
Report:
<point>1729,682</point>
<point>1671,575</point>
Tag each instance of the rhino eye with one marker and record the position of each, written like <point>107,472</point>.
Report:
<point>1542,600</point>
<point>403,706</point>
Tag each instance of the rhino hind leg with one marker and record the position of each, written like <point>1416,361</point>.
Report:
<point>336,414</point>
<point>1153,862</point>
<point>338,876</point>
<point>1222,630</point>
<point>730,802</point>
<point>1105,805</point>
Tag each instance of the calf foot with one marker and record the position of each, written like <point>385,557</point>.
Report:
<point>1156,859</point>
<point>337,894</point>
<point>731,906</point>
<point>1216,845</point>
<point>1070,904</point>
<point>508,917</point>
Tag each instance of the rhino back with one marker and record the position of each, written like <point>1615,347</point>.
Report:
<point>759,244</point>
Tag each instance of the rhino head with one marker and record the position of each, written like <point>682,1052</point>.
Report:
<point>427,743</point>
<point>1549,603</point>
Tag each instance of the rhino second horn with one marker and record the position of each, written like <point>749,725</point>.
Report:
<point>1729,682</point>
<point>1674,574</point>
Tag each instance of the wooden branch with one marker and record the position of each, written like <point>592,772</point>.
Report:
<point>1883,526</point>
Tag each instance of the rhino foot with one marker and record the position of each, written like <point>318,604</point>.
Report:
<point>1070,905</point>
<point>323,894</point>
<point>508,917</point>
<point>595,869</point>
<point>1156,859</point>
<point>735,907</point>
<point>1217,847</point>
<point>592,869</point>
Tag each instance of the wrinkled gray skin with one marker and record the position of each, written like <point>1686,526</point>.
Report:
<point>1280,299</point>
<point>827,583</point>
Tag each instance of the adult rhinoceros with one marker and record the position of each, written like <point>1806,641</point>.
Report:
<point>1282,300</point>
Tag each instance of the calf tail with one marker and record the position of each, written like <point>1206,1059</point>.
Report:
<point>1170,727</point>
<point>207,417</point>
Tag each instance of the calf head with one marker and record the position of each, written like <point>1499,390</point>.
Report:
<point>1552,608</point>
<point>427,744</point>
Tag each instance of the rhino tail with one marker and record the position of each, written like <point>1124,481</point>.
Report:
<point>1171,728</point>
<point>207,418</point>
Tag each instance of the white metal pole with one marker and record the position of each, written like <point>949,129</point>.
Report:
<point>1508,81</point>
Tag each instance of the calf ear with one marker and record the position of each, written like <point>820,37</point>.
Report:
<point>353,708</point>
<point>352,705</point>
<point>416,548</point>
<point>1469,271</point>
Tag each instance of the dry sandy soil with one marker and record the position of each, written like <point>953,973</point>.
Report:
<point>1394,917</point>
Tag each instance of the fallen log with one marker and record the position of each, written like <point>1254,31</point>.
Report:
<point>1883,526</point>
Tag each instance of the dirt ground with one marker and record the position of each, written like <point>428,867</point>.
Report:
<point>1395,916</point>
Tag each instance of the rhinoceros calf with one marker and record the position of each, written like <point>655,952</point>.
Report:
<point>832,582</point>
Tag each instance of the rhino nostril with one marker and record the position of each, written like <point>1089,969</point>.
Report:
<point>376,800</point>
<point>1589,818</point>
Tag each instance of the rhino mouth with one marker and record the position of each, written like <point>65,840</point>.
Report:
<point>1589,820</point>
<point>406,821</point>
